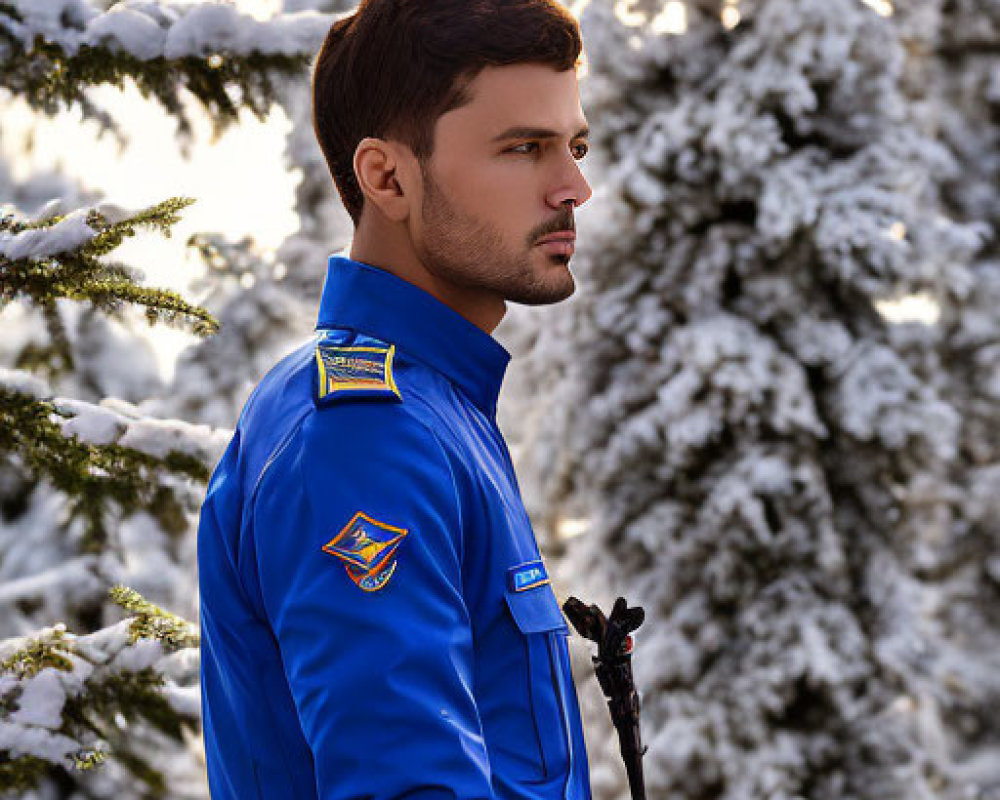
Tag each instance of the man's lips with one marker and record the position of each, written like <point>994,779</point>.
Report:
<point>566,236</point>
<point>562,243</point>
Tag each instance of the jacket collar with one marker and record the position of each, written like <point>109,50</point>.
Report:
<point>371,300</point>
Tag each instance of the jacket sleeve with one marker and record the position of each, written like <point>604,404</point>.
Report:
<point>358,537</point>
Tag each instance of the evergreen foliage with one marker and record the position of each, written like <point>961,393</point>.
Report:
<point>53,75</point>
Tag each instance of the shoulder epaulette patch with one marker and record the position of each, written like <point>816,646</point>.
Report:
<point>345,371</point>
<point>368,549</point>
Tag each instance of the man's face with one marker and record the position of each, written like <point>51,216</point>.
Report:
<point>488,198</point>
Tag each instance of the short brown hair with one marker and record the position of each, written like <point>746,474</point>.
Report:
<point>391,68</point>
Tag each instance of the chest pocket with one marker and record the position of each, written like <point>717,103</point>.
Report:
<point>539,619</point>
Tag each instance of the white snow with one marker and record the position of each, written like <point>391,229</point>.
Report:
<point>37,243</point>
<point>17,380</point>
<point>41,701</point>
<point>148,30</point>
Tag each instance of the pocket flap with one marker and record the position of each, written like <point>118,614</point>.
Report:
<point>535,608</point>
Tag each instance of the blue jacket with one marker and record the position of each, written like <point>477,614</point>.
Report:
<point>376,619</point>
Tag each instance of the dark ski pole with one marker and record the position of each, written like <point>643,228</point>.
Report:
<point>613,664</point>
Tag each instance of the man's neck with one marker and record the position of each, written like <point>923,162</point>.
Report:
<point>482,309</point>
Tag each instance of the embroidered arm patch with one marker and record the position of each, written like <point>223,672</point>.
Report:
<point>368,549</point>
<point>354,371</point>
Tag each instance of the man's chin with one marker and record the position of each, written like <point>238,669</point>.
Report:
<point>546,294</point>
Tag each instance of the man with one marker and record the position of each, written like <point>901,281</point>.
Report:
<point>377,621</point>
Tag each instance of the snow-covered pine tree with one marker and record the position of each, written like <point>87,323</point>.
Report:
<point>68,701</point>
<point>95,492</point>
<point>266,304</point>
<point>962,81</point>
<point>797,486</point>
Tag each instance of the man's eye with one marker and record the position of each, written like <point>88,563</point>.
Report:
<point>581,149</point>
<point>518,149</point>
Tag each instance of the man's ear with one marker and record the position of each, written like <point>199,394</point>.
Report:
<point>377,166</point>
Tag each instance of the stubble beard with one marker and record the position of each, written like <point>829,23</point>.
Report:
<point>471,254</point>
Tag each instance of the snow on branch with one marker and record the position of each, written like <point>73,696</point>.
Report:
<point>69,699</point>
<point>101,454</point>
<point>146,30</point>
<point>58,256</point>
<point>50,53</point>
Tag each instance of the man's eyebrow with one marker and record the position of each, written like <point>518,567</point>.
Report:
<point>527,132</point>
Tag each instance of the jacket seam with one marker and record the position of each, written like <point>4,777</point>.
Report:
<point>251,505</point>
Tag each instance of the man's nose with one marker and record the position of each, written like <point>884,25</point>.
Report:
<point>576,191</point>
<point>584,191</point>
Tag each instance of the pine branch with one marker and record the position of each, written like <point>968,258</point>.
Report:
<point>224,76</point>
<point>58,256</point>
<point>122,466</point>
<point>103,682</point>
<point>152,622</point>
